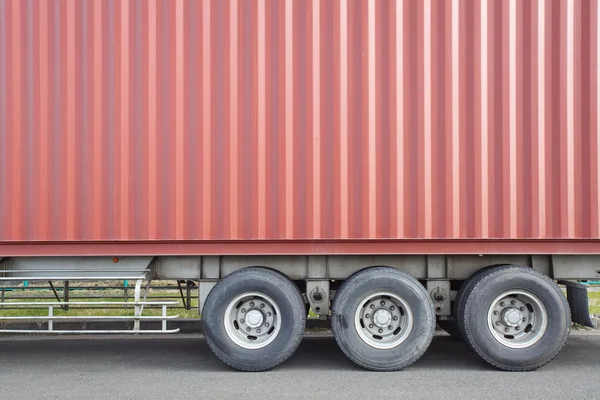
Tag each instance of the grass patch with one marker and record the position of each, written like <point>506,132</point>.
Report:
<point>594,302</point>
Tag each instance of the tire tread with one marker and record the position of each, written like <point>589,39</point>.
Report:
<point>344,287</point>
<point>469,339</point>
<point>460,300</point>
<point>295,340</point>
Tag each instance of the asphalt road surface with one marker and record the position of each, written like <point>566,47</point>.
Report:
<point>182,367</point>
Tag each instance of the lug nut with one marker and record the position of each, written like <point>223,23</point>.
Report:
<point>258,331</point>
<point>243,310</point>
<point>268,314</point>
<point>522,308</point>
<point>513,302</point>
<point>371,326</point>
<point>501,304</point>
<point>392,308</point>
<point>496,312</point>
<point>248,329</point>
<point>395,318</point>
<point>267,324</point>
<point>372,306</point>
<point>367,316</point>
<point>517,327</point>
<point>242,321</point>
<point>262,305</point>
<point>380,330</point>
<point>497,323</point>
<point>506,329</point>
<point>390,327</point>
<point>524,319</point>
<point>382,303</point>
<point>251,304</point>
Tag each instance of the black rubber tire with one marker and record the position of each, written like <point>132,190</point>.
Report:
<point>451,326</point>
<point>348,298</point>
<point>474,318</point>
<point>291,305</point>
<point>461,297</point>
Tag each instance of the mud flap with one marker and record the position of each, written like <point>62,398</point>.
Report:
<point>577,297</point>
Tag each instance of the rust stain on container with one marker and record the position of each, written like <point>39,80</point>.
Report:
<point>299,120</point>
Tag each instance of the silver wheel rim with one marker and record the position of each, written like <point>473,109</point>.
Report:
<point>252,320</point>
<point>383,320</point>
<point>517,319</point>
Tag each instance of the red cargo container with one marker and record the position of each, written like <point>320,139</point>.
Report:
<point>232,143</point>
<point>221,127</point>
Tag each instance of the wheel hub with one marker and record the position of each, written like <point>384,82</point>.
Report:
<point>382,318</point>
<point>511,316</point>
<point>254,318</point>
<point>517,319</point>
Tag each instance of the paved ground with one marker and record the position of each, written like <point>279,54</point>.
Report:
<point>182,367</point>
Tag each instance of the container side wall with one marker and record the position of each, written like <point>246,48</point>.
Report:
<point>173,120</point>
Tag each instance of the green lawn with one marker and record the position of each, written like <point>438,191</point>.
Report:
<point>594,299</point>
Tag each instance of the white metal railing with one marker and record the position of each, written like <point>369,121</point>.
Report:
<point>78,275</point>
<point>138,305</point>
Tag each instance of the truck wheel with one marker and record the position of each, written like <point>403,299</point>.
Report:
<point>382,319</point>
<point>515,318</point>
<point>254,319</point>
<point>461,297</point>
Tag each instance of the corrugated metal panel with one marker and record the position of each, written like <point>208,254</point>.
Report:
<point>273,119</point>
